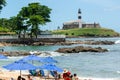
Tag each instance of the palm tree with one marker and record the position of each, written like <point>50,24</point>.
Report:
<point>35,21</point>
<point>2,3</point>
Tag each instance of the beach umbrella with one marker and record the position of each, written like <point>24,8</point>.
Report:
<point>48,60</point>
<point>20,65</point>
<point>51,67</point>
<point>32,58</point>
<point>2,56</point>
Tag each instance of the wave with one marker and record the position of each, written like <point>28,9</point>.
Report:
<point>50,53</point>
<point>118,72</point>
<point>40,54</point>
<point>117,42</point>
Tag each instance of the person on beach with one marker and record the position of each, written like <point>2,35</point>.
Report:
<point>66,74</point>
<point>20,78</point>
<point>68,77</point>
<point>11,78</point>
<point>55,75</point>
<point>29,78</point>
<point>75,77</point>
<point>71,77</point>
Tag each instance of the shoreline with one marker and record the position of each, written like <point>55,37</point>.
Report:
<point>15,74</point>
<point>4,72</point>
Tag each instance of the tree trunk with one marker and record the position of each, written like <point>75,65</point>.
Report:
<point>24,34</point>
<point>19,36</point>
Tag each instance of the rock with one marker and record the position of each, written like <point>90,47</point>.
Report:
<point>80,49</point>
<point>67,42</point>
<point>18,53</point>
<point>101,42</point>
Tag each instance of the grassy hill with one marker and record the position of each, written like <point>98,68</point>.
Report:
<point>88,32</point>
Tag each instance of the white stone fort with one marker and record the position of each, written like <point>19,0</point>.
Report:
<point>79,23</point>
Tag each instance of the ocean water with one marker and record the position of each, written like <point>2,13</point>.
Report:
<point>86,64</point>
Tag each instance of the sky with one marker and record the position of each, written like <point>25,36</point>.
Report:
<point>104,12</point>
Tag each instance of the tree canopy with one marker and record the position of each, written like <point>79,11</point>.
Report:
<point>28,19</point>
<point>35,14</point>
<point>2,3</point>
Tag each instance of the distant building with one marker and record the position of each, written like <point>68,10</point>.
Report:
<point>79,23</point>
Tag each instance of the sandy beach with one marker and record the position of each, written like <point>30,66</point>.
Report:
<point>7,75</point>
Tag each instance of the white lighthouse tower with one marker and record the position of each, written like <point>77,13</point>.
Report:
<point>79,18</point>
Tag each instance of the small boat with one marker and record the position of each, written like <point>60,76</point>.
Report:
<point>117,42</point>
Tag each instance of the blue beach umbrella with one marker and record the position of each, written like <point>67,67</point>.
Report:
<point>2,56</point>
<point>51,67</point>
<point>20,65</point>
<point>48,60</point>
<point>31,58</point>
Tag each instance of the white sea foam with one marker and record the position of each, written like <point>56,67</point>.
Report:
<point>92,78</point>
<point>50,53</point>
<point>118,72</point>
<point>43,54</point>
<point>117,42</point>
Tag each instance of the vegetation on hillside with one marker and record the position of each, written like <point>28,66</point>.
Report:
<point>88,32</point>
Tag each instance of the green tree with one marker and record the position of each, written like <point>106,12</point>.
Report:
<point>5,23</point>
<point>36,15</point>
<point>35,20</point>
<point>2,3</point>
<point>16,24</point>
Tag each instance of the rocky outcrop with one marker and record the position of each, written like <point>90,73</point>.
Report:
<point>18,53</point>
<point>91,42</point>
<point>100,42</point>
<point>26,53</point>
<point>80,49</point>
<point>67,42</point>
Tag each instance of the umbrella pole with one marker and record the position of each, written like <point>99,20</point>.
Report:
<point>45,77</point>
<point>20,72</point>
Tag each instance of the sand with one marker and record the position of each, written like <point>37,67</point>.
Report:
<point>7,75</point>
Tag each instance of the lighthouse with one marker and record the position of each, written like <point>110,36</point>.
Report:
<point>79,18</point>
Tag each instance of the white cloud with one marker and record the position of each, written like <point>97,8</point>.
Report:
<point>114,8</point>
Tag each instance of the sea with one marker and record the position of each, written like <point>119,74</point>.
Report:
<point>86,64</point>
